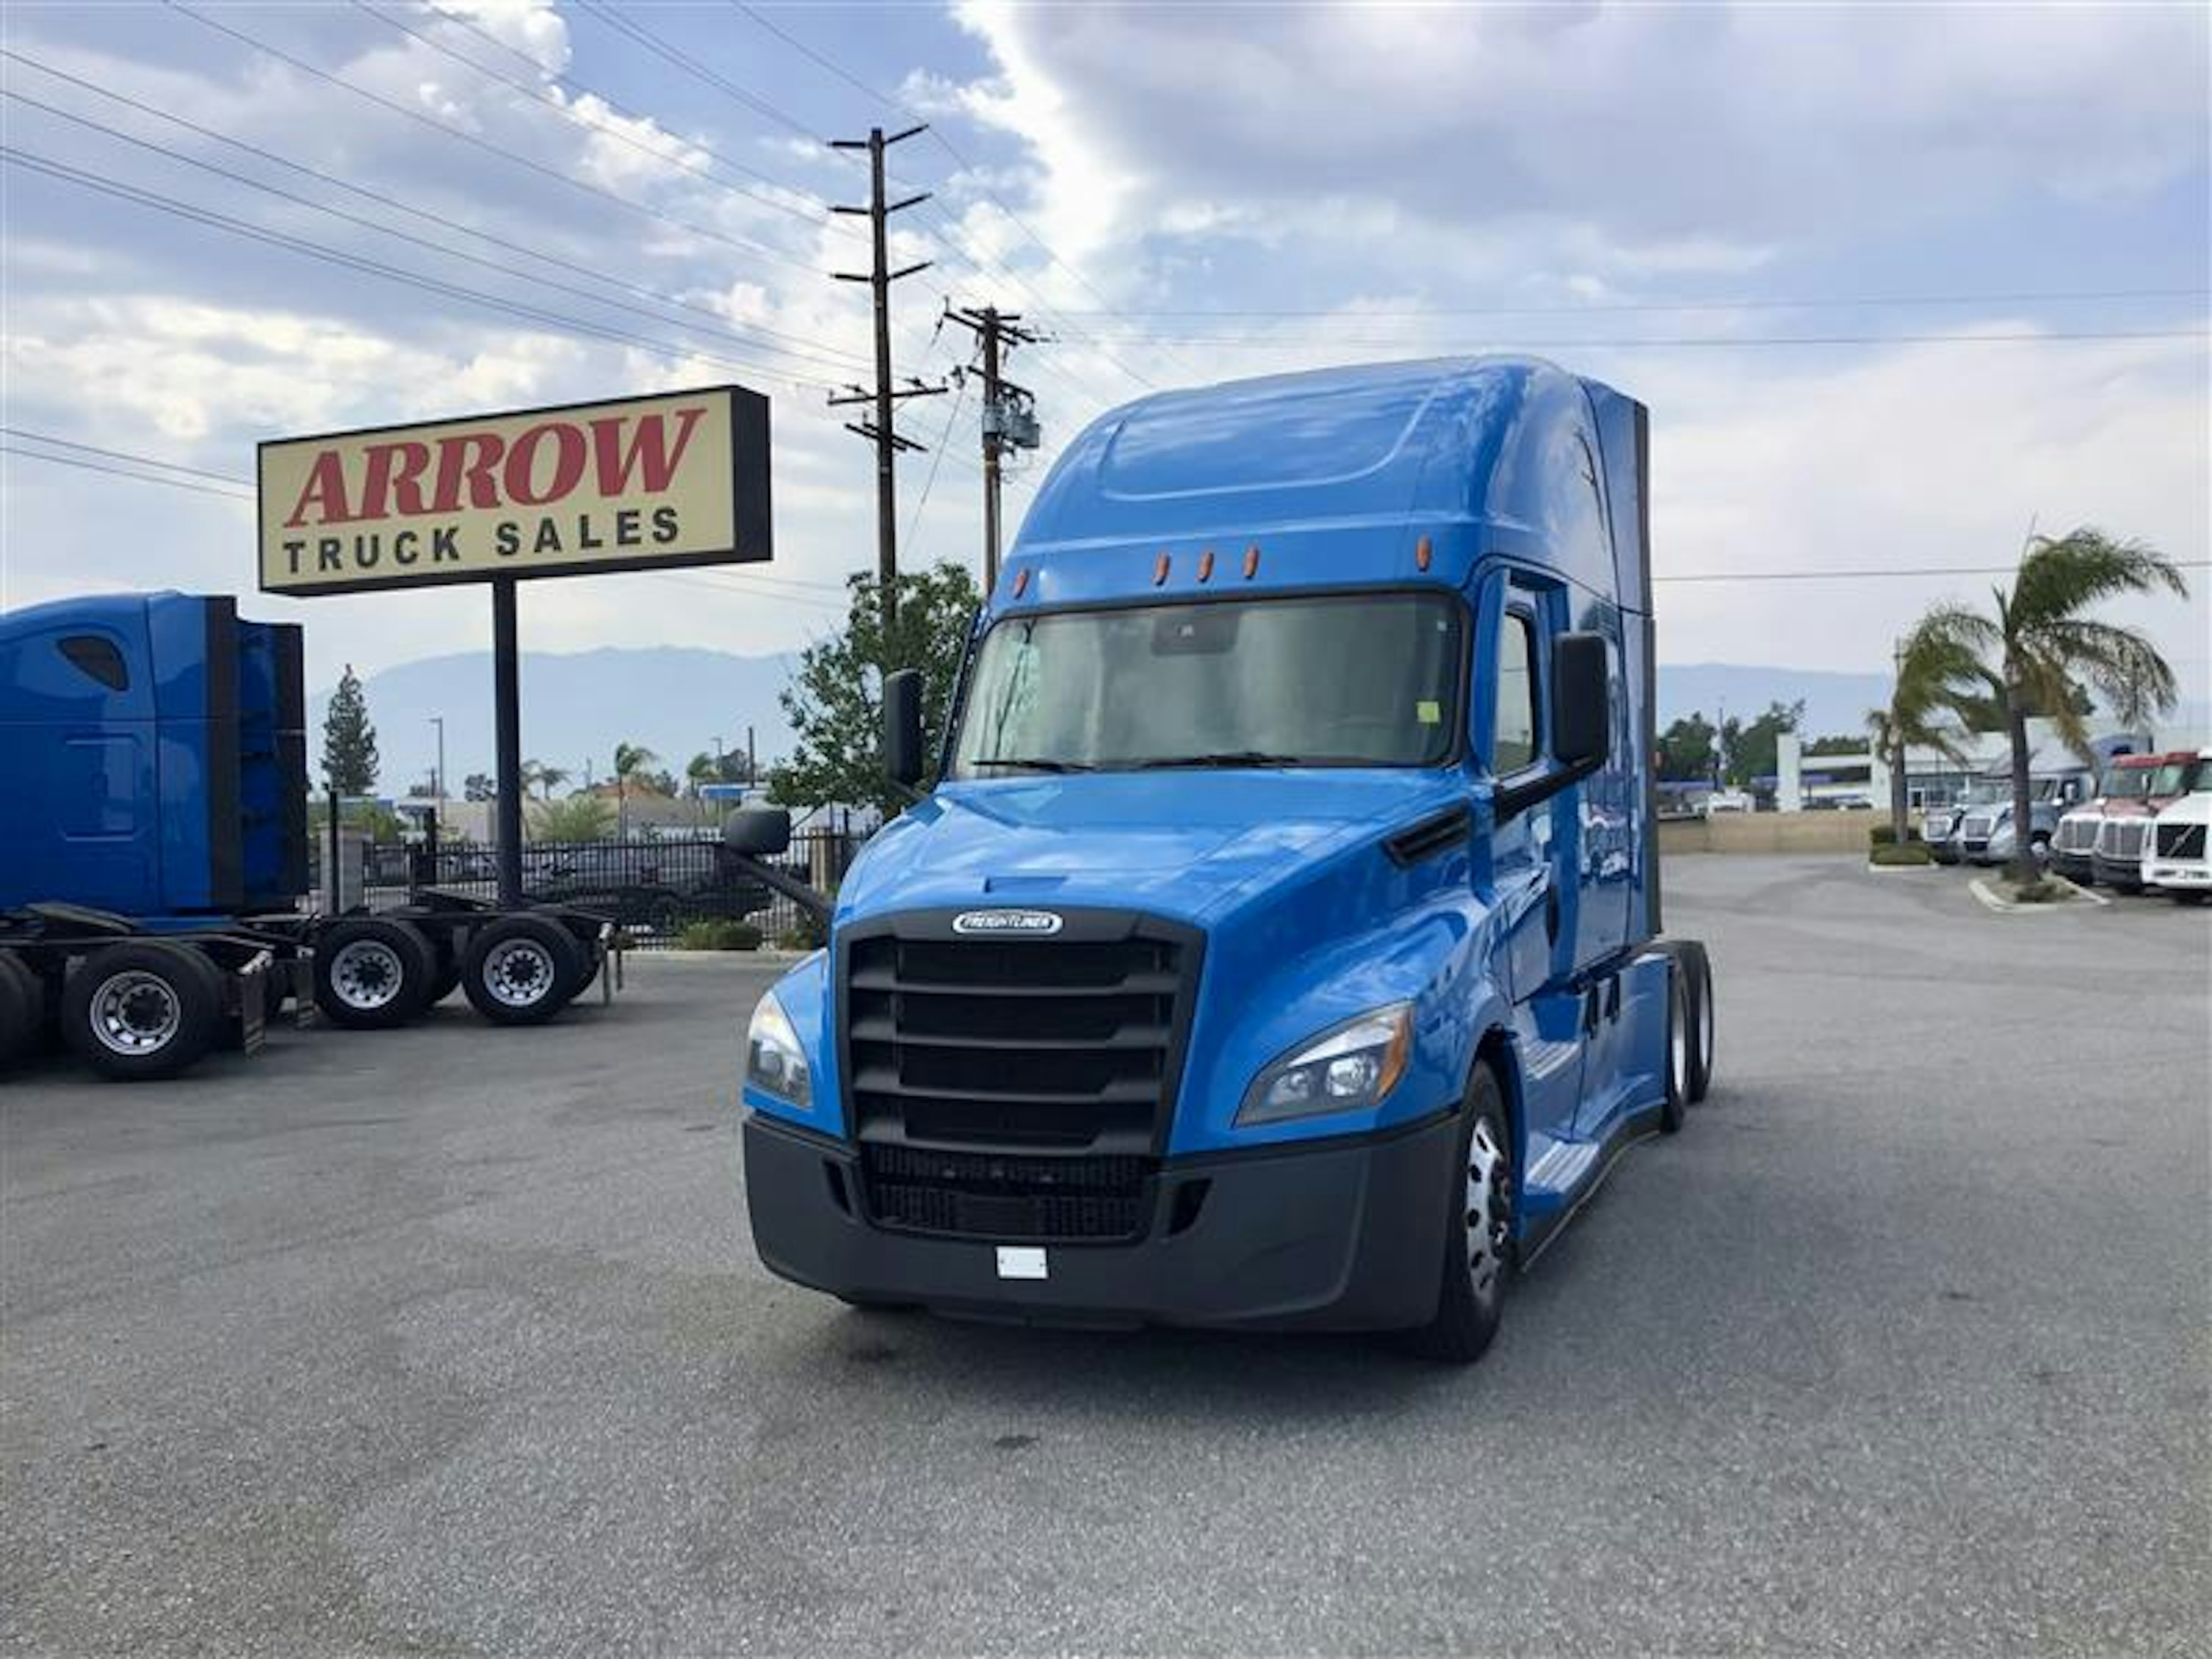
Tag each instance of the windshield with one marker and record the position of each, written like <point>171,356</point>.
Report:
<point>2176,778</point>
<point>1351,680</point>
<point>2130,782</point>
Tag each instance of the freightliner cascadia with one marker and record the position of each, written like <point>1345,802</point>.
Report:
<point>1280,946</point>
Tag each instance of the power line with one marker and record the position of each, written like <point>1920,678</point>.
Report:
<point>380,197</point>
<point>122,455</point>
<point>799,590</point>
<point>805,354</point>
<point>1277,344</point>
<point>762,249</point>
<point>937,457</point>
<point>1875,576</point>
<point>123,472</point>
<point>2044,297</point>
<point>328,255</point>
<point>691,66</point>
<point>823,61</point>
<point>567,112</point>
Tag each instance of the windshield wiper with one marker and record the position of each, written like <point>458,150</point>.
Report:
<point>1226,758</point>
<point>1036,763</point>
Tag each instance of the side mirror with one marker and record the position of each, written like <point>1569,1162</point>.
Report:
<point>903,727</point>
<point>1581,703</point>
<point>758,832</point>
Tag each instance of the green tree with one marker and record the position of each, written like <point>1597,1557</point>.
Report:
<point>574,817</point>
<point>1841,743</point>
<point>834,702</point>
<point>1686,749</point>
<point>480,787</point>
<point>1750,750</point>
<point>348,740</point>
<point>2038,650</point>
<point>630,760</point>
<point>702,770</point>
<point>544,779</point>
<point>1933,675</point>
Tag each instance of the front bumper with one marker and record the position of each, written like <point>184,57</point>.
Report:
<point>2075,866</point>
<point>2173,877</point>
<point>1348,1236</point>
<point>2118,873</point>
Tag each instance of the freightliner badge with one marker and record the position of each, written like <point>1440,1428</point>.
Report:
<point>646,482</point>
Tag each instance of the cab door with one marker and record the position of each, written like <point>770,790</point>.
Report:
<point>1534,859</point>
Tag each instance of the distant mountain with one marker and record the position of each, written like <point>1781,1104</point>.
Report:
<point>576,706</point>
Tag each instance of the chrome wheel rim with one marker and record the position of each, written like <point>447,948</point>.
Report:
<point>1489,1208</point>
<point>519,973</point>
<point>136,1013</point>
<point>1705,1027</point>
<point>366,974</point>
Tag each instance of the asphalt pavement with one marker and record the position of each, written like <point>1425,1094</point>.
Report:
<point>453,1341</point>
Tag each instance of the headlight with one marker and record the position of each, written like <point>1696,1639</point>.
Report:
<point>774,1063</point>
<point>1345,1067</point>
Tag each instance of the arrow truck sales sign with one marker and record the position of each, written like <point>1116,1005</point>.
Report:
<point>588,488</point>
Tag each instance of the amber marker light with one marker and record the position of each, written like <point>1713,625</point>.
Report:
<point>1160,571</point>
<point>1206,565</point>
<point>1422,552</point>
<point>1021,581</point>
<point>1251,561</point>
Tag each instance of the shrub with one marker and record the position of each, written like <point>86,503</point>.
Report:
<point>2041,891</point>
<point>1916,852</point>
<point>1885,835</point>
<point>720,935</point>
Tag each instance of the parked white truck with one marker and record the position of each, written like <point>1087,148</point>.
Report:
<point>2175,858</point>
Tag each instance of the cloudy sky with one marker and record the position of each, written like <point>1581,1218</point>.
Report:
<point>1896,283</point>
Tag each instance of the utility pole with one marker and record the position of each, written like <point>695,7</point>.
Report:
<point>1009,412</point>
<point>883,395</point>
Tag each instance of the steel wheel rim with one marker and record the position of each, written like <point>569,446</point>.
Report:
<point>136,1013</point>
<point>1705,1026</point>
<point>519,973</point>
<point>1489,1208</point>
<point>367,974</point>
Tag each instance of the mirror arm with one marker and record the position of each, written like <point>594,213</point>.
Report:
<point>1511,803</point>
<point>815,904</point>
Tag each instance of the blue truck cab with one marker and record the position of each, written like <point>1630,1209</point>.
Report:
<point>1279,946</point>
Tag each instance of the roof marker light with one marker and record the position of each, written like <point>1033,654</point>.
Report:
<point>1021,581</point>
<point>1251,561</point>
<point>1160,571</point>
<point>1206,565</point>
<point>1422,552</point>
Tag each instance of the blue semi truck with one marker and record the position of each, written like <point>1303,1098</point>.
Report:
<point>154,853</point>
<point>1280,946</point>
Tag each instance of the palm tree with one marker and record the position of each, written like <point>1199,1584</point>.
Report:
<point>535,775</point>
<point>630,759</point>
<point>1933,675</point>
<point>2039,646</point>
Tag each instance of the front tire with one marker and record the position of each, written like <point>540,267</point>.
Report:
<point>1676,1109</point>
<point>1692,957</point>
<point>1478,1238</point>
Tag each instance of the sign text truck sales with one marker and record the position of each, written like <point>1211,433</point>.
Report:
<point>671,480</point>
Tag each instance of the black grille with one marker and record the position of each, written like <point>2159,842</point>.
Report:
<point>1014,1088</point>
<point>1006,1197</point>
<point>2180,841</point>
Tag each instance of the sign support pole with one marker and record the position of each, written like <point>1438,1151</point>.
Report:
<point>506,718</point>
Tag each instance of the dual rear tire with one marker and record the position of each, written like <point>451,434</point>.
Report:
<point>142,1009</point>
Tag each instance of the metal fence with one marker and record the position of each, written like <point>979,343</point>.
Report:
<point>653,888</point>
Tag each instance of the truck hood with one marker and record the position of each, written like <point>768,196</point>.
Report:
<point>1182,844</point>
